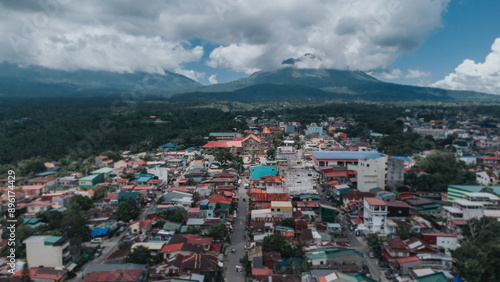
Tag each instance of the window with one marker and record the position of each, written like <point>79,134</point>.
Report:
<point>279,209</point>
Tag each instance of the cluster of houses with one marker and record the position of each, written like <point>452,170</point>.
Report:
<point>318,187</point>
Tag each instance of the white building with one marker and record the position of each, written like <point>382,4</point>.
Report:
<point>371,173</point>
<point>486,178</point>
<point>463,210</point>
<point>47,251</point>
<point>375,214</point>
<point>161,172</point>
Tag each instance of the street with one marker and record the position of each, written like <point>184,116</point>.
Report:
<point>238,241</point>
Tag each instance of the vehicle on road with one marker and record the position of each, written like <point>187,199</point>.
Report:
<point>98,253</point>
<point>96,241</point>
<point>371,254</point>
<point>232,250</point>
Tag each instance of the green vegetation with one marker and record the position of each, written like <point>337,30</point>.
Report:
<point>178,214</point>
<point>217,231</point>
<point>441,170</point>
<point>477,258</point>
<point>127,210</point>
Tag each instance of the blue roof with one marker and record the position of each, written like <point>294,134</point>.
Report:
<point>347,155</point>
<point>404,158</point>
<point>387,194</point>
<point>143,179</point>
<point>99,231</point>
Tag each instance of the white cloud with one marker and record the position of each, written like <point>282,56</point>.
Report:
<point>481,77</point>
<point>417,74</point>
<point>251,35</point>
<point>390,74</point>
<point>213,79</point>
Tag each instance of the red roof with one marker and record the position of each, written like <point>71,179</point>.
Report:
<point>262,271</point>
<point>112,276</point>
<point>144,224</point>
<point>357,221</point>
<point>268,197</point>
<point>219,199</point>
<point>32,187</point>
<point>43,273</point>
<point>459,222</point>
<point>171,248</point>
<point>375,201</point>
<point>101,157</point>
<point>42,179</point>
<point>251,136</point>
<point>407,260</point>
<point>223,144</point>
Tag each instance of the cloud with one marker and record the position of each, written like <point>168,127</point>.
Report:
<point>481,77</point>
<point>417,74</point>
<point>389,74</point>
<point>213,79</point>
<point>249,36</point>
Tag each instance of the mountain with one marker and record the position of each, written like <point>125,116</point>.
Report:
<point>36,80</point>
<point>292,84</point>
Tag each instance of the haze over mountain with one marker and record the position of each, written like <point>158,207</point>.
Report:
<point>286,84</point>
<point>39,81</point>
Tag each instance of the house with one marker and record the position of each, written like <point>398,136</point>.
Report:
<point>115,272</point>
<point>375,214</point>
<point>182,265</point>
<point>48,182</point>
<point>271,183</point>
<point>47,251</point>
<point>441,241</point>
<point>33,191</point>
<point>281,209</point>
<point>332,257</point>
<point>43,274</point>
<point>90,181</point>
<point>140,227</point>
<point>133,196</point>
<point>106,172</point>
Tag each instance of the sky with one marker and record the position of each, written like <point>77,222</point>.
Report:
<point>453,44</point>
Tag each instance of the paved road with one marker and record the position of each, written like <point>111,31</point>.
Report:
<point>357,243</point>
<point>108,246</point>
<point>237,241</point>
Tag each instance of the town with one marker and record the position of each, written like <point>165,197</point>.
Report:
<point>279,201</point>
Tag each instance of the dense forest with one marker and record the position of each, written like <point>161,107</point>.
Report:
<point>78,128</point>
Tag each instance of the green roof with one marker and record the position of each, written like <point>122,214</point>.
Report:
<point>473,188</point>
<point>223,133</point>
<point>171,226</point>
<point>51,240</point>
<point>332,253</point>
<point>89,177</point>
<point>436,277</point>
<point>124,196</point>
<point>103,170</point>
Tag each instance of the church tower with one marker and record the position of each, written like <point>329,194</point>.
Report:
<point>266,139</point>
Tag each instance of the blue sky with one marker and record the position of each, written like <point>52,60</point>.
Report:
<point>443,43</point>
<point>468,30</point>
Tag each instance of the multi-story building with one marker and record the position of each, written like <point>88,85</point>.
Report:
<point>47,251</point>
<point>395,169</point>
<point>341,158</point>
<point>375,214</point>
<point>371,173</point>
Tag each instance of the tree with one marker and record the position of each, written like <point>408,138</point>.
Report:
<point>289,222</point>
<point>191,182</point>
<point>127,210</point>
<point>196,198</point>
<point>270,153</point>
<point>373,239</point>
<point>406,232</point>
<point>74,224</point>
<point>477,257</point>
<point>115,156</point>
<point>84,202</point>
<point>99,193</point>
<point>25,274</point>
<point>178,214</point>
<point>140,255</point>
<point>217,231</point>
<point>488,190</point>
<point>277,243</point>
<point>147,158</point>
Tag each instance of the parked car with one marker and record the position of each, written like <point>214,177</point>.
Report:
<point>96,241</point>
<point>97,253</point>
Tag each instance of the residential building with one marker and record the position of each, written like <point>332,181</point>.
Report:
<point>375,215</point>
<point>371,173</point>
<point>256,172</point>
<point>47,251</point>
<point>395,169</point>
